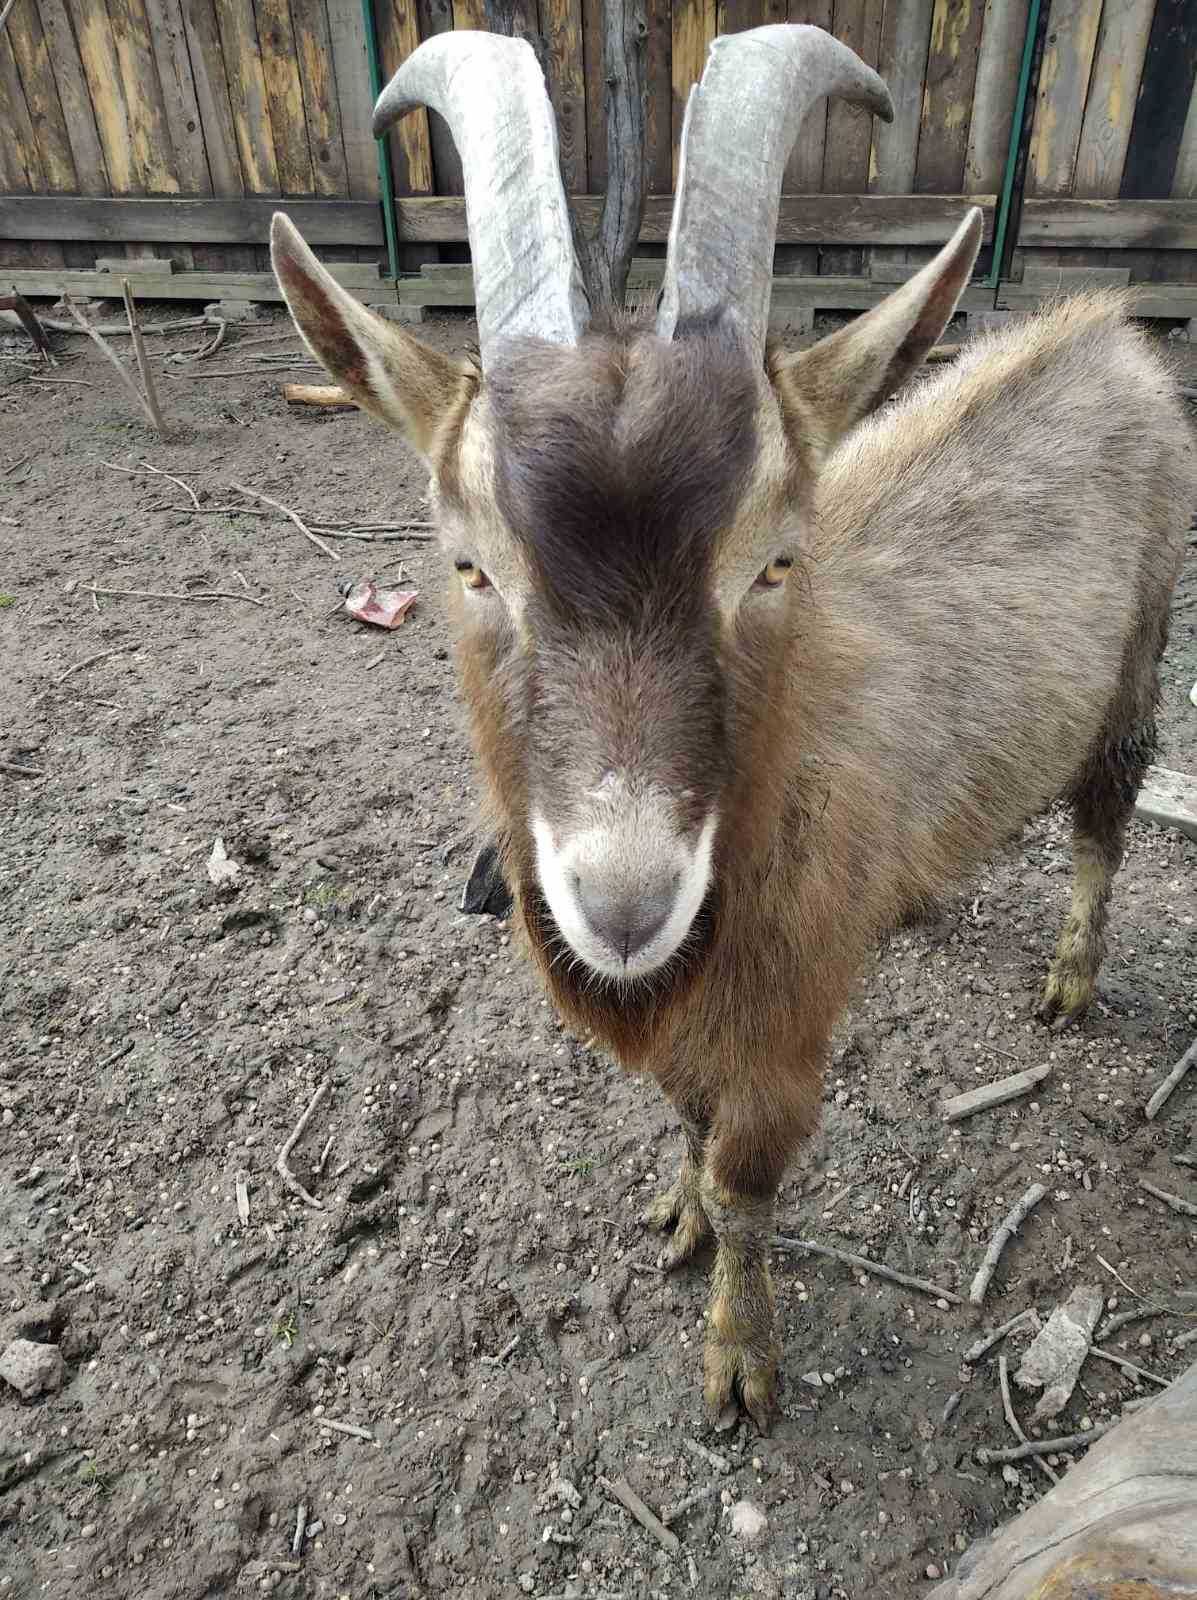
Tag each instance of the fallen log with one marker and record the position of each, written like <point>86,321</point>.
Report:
<point>318,394</point>
<point>1122,1523</point>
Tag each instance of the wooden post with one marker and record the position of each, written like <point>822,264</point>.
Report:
<point>607,257</point>
<point>143,366</point>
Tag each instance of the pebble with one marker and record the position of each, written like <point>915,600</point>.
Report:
<point>31,1368</point>
<point>87,1531</point>
<point>1011,1476</point>
<point>748,1522</point>
<point>813,1378</point>
<point>932,1570</point>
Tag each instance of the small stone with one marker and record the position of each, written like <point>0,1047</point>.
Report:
<point>748,1522</point>
<point>813,1378</point>
<point>932,1570</point>
<point>31,1368</point>
<point>87,1531</point>
<point>1011,1476</point>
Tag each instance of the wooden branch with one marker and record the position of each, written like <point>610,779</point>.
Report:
<point>1180,1071</point>
<point>1001,1239</point>
<point>318,394</point>
<point>112,356</point>
<point>143,366</point>
<point>27,317</point>
<point>989,1095</point>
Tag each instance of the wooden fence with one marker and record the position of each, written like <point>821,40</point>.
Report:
<point>171,127</point>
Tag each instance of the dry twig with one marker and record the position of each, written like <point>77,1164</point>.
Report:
<point>1008,1408</point>
<point>166,594</point>
<point>1043,1447</point>
<point>94,334</point>
<point>294,517</point>
<point>873,1268</point>
<point>1184,1208</point>
<point>975,1351</point>
<point>672,1513</point>
<point>1158,1100</point>
<point>711,1457</point>
<point>186,487</point>
<point>6,10</point>
<point>143,366</point>
<point>1001,1239</point>
<point>281,1167</point>
<point>345,1427</point>
<point>90,661</point>
<point>18,771</point>
<point>631,1501</point>
<point>242,1187</point>
<point>301,1521</point>
<point>497,1361</point>
<point>1129,1366</point>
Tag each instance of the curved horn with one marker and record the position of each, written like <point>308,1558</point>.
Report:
<point>490,90</point>
<point>741,123</point>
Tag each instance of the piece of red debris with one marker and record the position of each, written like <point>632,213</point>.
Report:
<point>386,608</point>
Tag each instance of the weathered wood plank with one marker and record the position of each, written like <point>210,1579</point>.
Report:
<point>948,95</point>
<point>101,70</point>
<point>321,102</point>
<point>857,23</point>
<point>1165,92</point>
<point>469,14</point>
<point>1110,224</point>
<point>1110,109</point>
<point>562,24</point>
<point>1002,31</point>
<point>1063,86</point>
<point>1146,299</point>
<point>28,41</point>
<point>411,147</point>
<point>247,95</point>
<point>1170,799</point>
<point>435,17</point>
<point>658,146</point>
<point>149,130</point>
<point>184,121</point>
<point>804,169</point>
<point>803,220</point>
<point>22,161</point>
<point>86,153</point>
<point>693,28</point>
<point>959,1106</point>
<point>189,285</point>
<point>212,97</point>
<point>1184,182</point>
<point>284,96</point>
<point>905,40</point>
<point>596,97</point>
<point>347,33</point>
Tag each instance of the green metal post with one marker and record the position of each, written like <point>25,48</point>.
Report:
<point>385,181</point>
<point>1006,198</point>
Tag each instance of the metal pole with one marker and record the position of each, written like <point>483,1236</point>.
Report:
<point>385,180</point>
<point>1006,198</point>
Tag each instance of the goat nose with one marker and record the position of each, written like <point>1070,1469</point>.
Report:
<point>627,917</point>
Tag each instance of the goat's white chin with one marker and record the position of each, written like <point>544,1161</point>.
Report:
<point>625,858</point>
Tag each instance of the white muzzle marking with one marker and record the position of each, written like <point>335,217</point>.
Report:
<point>637,858</point>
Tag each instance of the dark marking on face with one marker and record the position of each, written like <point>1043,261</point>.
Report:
<point>322,322</point>
<point>618,465</point>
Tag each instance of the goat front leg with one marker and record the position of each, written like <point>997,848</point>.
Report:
<point>680,1206</point>
<point>746,1158</point>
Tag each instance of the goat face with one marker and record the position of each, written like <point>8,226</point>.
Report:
<point>623,541</point>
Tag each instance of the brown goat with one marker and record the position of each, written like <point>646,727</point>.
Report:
<point>751,677</point>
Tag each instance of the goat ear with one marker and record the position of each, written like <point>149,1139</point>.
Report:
<point>825,390</point>
<point>388,373</point>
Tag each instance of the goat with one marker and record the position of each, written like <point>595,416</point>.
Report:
<point>753,667</point>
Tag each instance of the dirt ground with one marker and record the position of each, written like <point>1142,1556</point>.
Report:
<point>476,1292</point>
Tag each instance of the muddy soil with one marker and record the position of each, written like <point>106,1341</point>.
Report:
<point>474,1291</point>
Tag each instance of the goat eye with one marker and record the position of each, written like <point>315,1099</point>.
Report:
<point>473,577</point>
<point>776,573</point>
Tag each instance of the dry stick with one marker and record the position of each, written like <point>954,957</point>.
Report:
<point>112,356</point>
<point>4,13</point>
<point>631,1501</point>
<point>496,1361</point>
<point>689,1502</point>
<point>186,487</point>
<point>301,1518</point>
<point>345,1427</point>
<point>162,594</point>
<point>1008,1408</point>
<point>143,366</point>
<point>21,772</point>
<point>1183,1339</point>
<point>1129,1366</point>
<point>27,317</point>
<point>863,1264</point>
<point>1140,1314</point>
<point>1002,1238</point>
<point>1185,1208</point>
<point>975,1351</point>
<point>242,1187</point>
<point>287,512</point>
<point>1043,1447</point>
<point>1156,1104</point>
<point>711,1457</point>
<point>281,1167</point>
<point>100,655</point>
<point>114,328</point>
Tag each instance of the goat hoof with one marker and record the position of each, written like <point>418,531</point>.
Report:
<point>678,1210</point>
<point>1067,995</point>
<point>742,1372</point>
